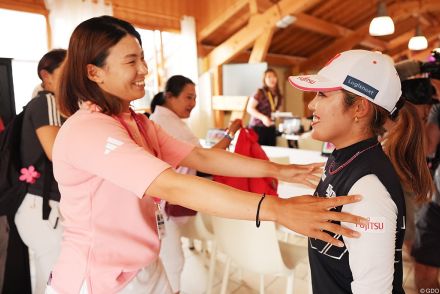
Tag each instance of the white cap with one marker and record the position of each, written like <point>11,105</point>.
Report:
<point>365,73</point>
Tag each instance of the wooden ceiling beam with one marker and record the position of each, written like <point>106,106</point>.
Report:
<point>400,10</point>
<point>284,60</point>
<point>374,43</point>
<point>397,11</point>
<point>147,20</point>
<point>341,44</point>
<point>145,13</point>
<point>431,35</point>
<point>221,19</point>
<point>253,6</point>
<point>261,46</point>
<point>402,39</point>
<point>258,23</point>
<point>320,26</point>
<point>432,19</point>
<point>271,58</point>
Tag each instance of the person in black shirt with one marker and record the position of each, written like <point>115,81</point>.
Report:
<point>37,218</point>
<point>357,92</point>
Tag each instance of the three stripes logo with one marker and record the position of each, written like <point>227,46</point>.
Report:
<point>111,145</point>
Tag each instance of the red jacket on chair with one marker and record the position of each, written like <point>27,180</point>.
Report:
<point>247,145</point>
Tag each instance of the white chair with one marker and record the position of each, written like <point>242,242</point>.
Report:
<point>257,250</point>
<point>200,228</point>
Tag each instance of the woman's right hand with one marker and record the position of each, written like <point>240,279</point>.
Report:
<point>309,215</point>
<point>267,121</point>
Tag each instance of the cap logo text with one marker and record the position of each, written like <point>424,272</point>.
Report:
<point>361,87</point>
<point>307,80</point>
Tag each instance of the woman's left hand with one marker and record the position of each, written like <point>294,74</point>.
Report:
<point>307,174</point>
<point>235,125</point>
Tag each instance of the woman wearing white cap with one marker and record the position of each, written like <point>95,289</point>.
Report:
<point>357,91</point>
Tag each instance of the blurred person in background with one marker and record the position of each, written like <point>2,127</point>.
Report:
<point>169,108</point>
<point>37,218</point>
<point>427,234</point>
<point>262,104</point>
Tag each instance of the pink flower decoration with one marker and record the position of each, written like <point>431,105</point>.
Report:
<point>29,175</point>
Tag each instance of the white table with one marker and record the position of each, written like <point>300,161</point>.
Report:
<point>297,156</point>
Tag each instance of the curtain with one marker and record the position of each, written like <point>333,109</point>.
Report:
<point>64,16</point>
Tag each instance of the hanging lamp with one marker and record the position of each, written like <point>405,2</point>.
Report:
<point>382,24</point>
<point>419,41</point>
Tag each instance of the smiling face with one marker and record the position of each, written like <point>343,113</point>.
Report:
<point>333,121</point>
<point>124,71</point>
<point>183,104</point>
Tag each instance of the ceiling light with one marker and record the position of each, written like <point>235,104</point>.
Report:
<point>285,21</point>
<point>418,42</point>
<point>382,24</point>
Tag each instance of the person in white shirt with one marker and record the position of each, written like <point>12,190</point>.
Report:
<point>168,109</point>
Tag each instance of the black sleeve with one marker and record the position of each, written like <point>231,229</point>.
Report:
<point>43,111</point>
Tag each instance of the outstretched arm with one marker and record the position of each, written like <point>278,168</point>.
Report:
<point>307,215</point>
<point>220,162</point>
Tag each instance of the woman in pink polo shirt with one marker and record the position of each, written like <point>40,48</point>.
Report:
<point>112,166</point>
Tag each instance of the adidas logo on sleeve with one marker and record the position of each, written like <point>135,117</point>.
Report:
<point>111,145</point>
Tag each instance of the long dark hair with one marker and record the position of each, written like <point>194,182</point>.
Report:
<point>173,88</point>
<point>404,145</point>
<point>277,87</point>
<point>90,43</point>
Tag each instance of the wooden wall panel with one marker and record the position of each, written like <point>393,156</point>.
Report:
<point>207,11</point>
<point>152,14</point>
<point>33,6</point>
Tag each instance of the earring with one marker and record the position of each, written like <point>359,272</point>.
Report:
<point>356,120</point>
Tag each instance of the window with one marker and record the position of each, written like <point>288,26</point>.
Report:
<point>24,38</point>
<point>157,46</point>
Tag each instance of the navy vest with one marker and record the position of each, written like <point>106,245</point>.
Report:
<point>330,268</point>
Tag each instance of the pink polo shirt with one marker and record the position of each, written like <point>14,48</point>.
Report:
<point>109,226</point>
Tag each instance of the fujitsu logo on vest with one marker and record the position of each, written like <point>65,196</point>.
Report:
<point>375,225</point>
<point>360,86</point>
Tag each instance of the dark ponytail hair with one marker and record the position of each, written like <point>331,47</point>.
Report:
<point>173,88</point>
<point>175,85</point>
<point>51,61</point>
<point>158,99</point>
<point>404,145</point>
